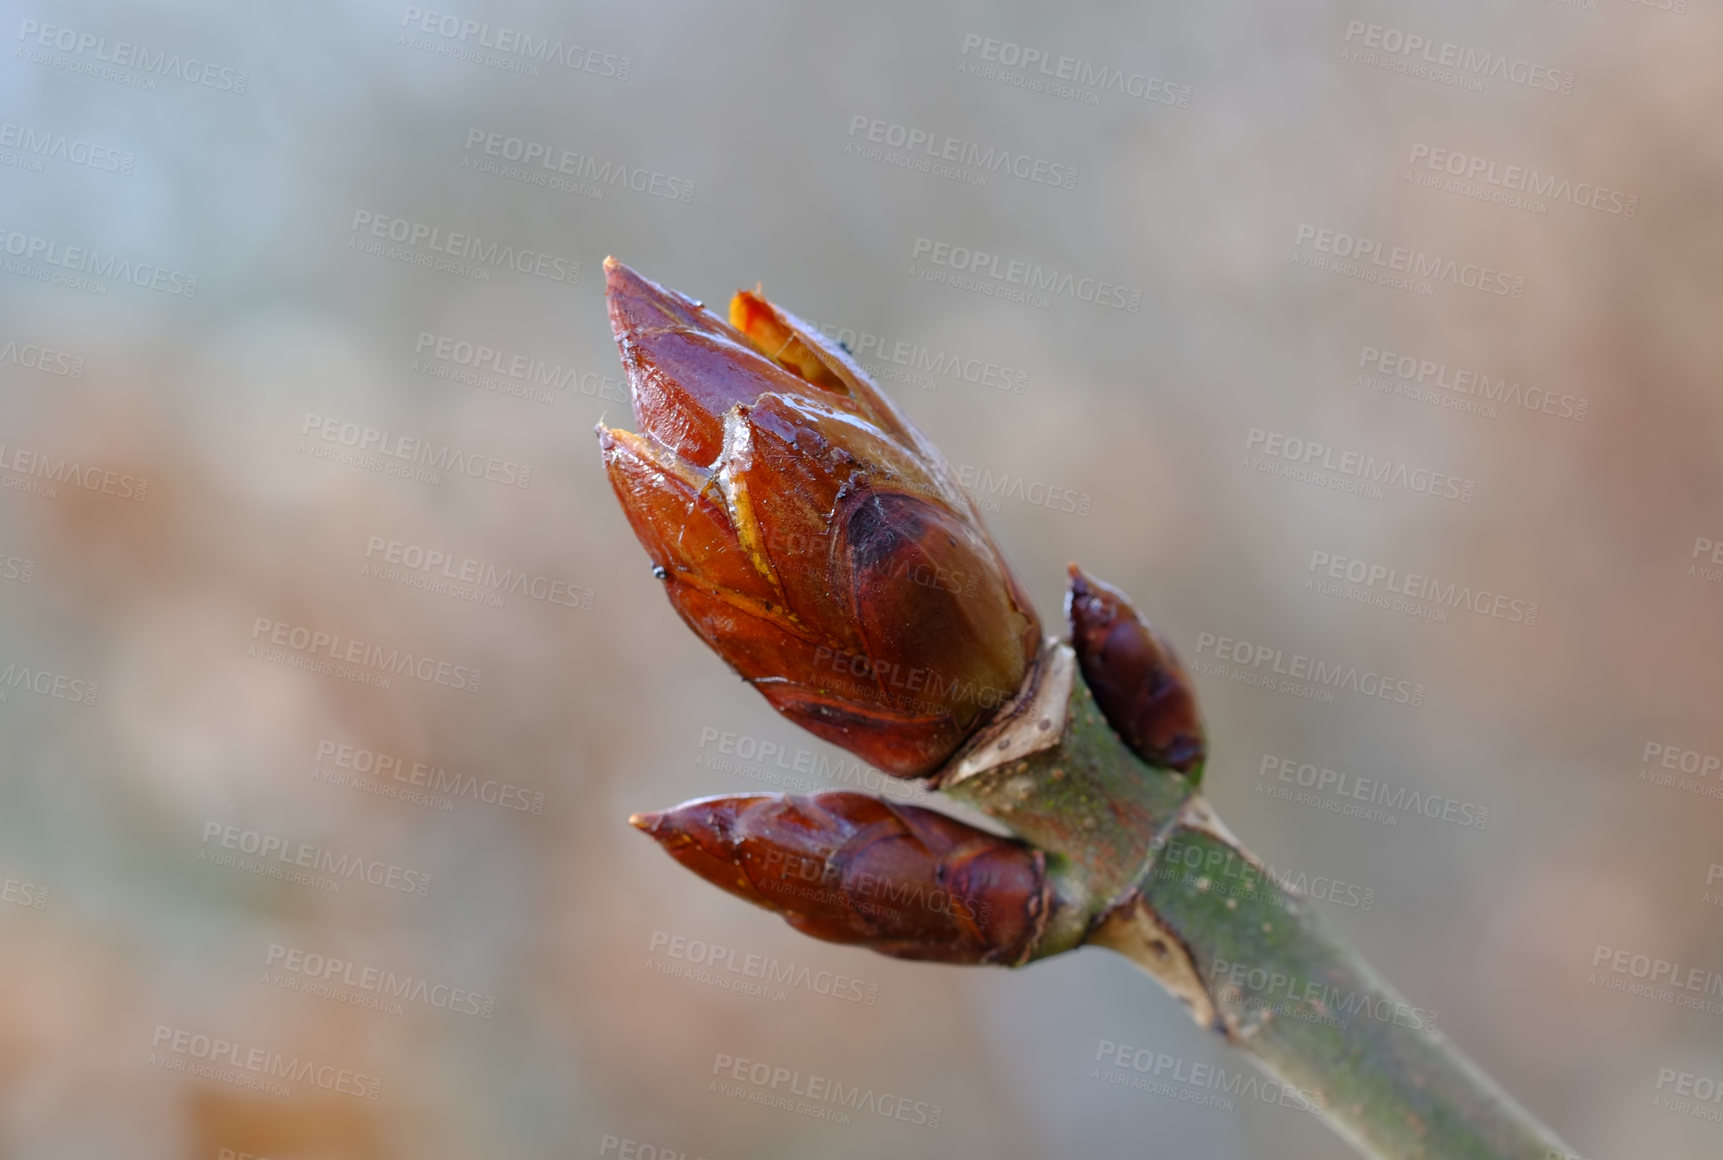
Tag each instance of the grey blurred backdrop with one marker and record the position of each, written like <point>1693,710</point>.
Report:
<point>201,306</point>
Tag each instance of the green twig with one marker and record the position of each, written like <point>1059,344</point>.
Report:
<point>1146,869</point>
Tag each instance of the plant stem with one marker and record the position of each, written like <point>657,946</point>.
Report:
<point>1164,883</point>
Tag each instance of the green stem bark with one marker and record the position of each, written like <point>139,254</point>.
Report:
<point>1143,867</point>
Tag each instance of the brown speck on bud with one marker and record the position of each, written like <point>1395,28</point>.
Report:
<point>1135,678</point>
<point>850,868</point>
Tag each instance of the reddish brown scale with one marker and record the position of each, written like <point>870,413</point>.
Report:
<point>1139,684</point>
<point>849,868</point>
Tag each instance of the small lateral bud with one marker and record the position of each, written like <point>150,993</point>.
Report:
<point>851,868</point>
<point>1135,678</point>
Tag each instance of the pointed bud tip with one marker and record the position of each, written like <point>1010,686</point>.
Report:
<point>620,279</point>
<point>1086,603</point>
<point>647,823</point>
<point>1086,584</point>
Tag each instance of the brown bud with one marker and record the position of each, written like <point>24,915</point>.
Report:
<point>808,532</point>
<point>850,868</point>
<point>1139,684</point>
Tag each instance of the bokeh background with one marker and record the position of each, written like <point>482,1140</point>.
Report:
<point>147,727</point>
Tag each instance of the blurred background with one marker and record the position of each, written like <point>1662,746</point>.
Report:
<point>330,670</point>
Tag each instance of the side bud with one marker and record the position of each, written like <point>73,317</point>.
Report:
<point>1139,684</point>
<point>850,868</point>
